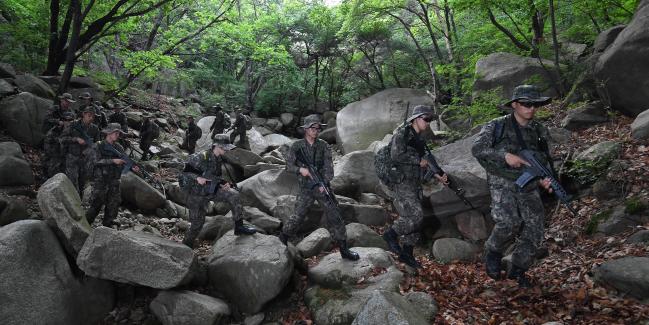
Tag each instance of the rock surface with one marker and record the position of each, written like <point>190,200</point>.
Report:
<point>23,115</point>
<point>316,242</point>
<point>388,308</point>
<point>447,250</point>
<point>14,169</point>
<point>640,126</point>
<point>139,193</point>
<point>629,275</point>
<point>189,308</point>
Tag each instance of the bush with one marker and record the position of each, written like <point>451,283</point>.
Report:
<point>586,172</point>
<point>596,219</point>
<point>634,206</point>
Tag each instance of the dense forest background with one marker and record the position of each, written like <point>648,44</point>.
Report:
<point>276,56</point>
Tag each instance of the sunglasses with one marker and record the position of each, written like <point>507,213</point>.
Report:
<point>317,128</point>
<point>426,119</point>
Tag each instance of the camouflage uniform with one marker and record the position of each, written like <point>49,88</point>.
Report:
<point>105,183</point>
<point>149,131</point>
<point>54,116</point>
<point>76,154</point>
<point>221,121</point>
<point>206,164</point>
<point>120,118</point>
<point>320,155</point>
<point>239,129</point>
<point>53,157</point>
<point>516,212</point>
<point>193,134</point>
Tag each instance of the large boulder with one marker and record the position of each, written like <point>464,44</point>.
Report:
<point>249,270</point>
<point>140,194</point>
<point>388,308</point>
<point>189,308</point>
<point>355,173</point>
<point>34,85</point>
<point>6,88</point>
<point>135,257</point>
<point>287,118</point>
<point>447,250</point>
<point>316,242</point>
<point>379,115</point>
<point>330,135</point>
<point>604,151</point>
<point>215,227</point>
<point>628,275</point>
<point>60,205</point>
<point>623,67</point>
<point>472,225</point>
<point>506,71</point>
<point>585,116</point>
<point>39,287</point>
<point>242,158</point>
<point>7,71</point>
<point>276,140</point>
<point>640,126</point>
<point>23,115</point>
<point>262,190</point>
<point>359,235</point>
<point>14,169</point>
<point>12,210</point>
<point>606,38</point>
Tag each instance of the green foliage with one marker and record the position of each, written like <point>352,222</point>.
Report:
<point>634,206</point>
<point>596,219</point>
<point>585,172</point>
<point>484,108</point>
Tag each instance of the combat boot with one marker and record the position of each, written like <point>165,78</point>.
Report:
<point>241,229</point>
<point>517,273</point>
<point>407,257</point>
<point>493,264</point>
<point>390,236</point>
<point>346,253</point>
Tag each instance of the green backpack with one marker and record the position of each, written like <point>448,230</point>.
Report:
<point>386,170</point>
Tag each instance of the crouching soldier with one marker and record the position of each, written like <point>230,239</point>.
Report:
<point>106,174</point>
<point>317,154</point>
<point>203,181</point>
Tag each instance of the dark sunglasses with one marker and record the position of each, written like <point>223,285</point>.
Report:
<point>317,128</point>
<point>427,119</point>
<point>530,104</point>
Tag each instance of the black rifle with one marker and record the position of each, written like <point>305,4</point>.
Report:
<point>84,135</point>
<point>316,178</point>
<point>538,170</point>
<point>130,163</point>
<point>434,169</point>
<point>211,186</point>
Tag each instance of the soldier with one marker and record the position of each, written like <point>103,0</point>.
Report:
<point>517,213</point>
<point>106,174</point>
<point>221,121</point>
<point>79,136</point>
<point>407,152</point>
<point>202,170</point>
<point>55,116</point>
<point>317,150</point>
<point>53,157</point>
<point>191,136</point>
<point>85,99</point>
<point>119,117</point>
<point>239,129</point>
<point>149,131</point>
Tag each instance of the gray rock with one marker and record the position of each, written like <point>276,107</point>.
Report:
<point>14,169</point>
<point>251,170</point>
<point>624,65</point>
<point>444,228</point>
<point>274,124</point>
<point>330,135</point>
<point>38,284</point>
<point>254,319</point>
<point>584,117</point>
<point>276,140</point>
<point>424,303</point>
<point>60,205</point>
<point>379,114</point>
<point>603,151</point>
<point>139,193</point>
<point>619,221</point>
<point>355,173</point>
<point>263,130</point>
<point>12,210</point>
<point>560,135</point>
<point>334,272</point>
<point>84,82</point>
<point>285,207</point>
<point>34,85</point>
<point>261,220</point>
<point>371,215</point>
<point>472,225</point>
<point>316,242</point>
<point>388,308</point>
<point>376,145</point>
<point>258,121</point>
<point>187,307</point>
<point>175,193</point>
<point>249,270</point>
<point>215,227</point>
<point>258,143</point>
<point>241,158</point>
<point>135,258</point>
<point>23,115</point>
<point>606,38</point>
<point>571,52</point>
<point>359,235</point>
<point>263,190</point>
<point>369,199</point>
<point>7,71</point>
<point>629,275</point>
<point>6,88</point>
<point>274,160</point>
<point>451,249</point>
<point>287,118</point>
<point>134,119</point>
<point>640,237</point>
<point>640,126</point>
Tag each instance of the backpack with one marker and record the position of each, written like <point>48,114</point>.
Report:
<point>386,170</point>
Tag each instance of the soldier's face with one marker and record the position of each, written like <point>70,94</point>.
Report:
<point>218,151</point>
<point>313,130</point>
<point>65,104</point>
<point>524,110</point>
<point>113,136</point>
<point>88,117</point>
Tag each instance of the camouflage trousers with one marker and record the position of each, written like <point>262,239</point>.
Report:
<point>335,222</point>
<point>198,208</point>
<point>53,164</point>
<point>75,169</point>
<point>104,193</point>
<point>517,215</point>
<point>216,132</point>
<point>191,146</point>
<point>408,205</point>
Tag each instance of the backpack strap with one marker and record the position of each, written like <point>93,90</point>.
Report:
<point>499,132</point>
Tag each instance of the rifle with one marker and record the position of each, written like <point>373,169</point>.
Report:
<point>435,169</point>
<point>316,178</point>
<point>84,135</point>
<point>211,186</point>
<point>538,170</point>
<point>130,163</point>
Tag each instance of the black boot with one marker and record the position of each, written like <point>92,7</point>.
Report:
<point>346,253</point>
<point>283,237</point>
<point>407,257</point>
<point>241,229</point>
<point>391,237</point>
<point>517,273</point>
<point>493,264</point>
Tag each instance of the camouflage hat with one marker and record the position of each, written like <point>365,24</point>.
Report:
<point>67,97</point>
<point>85,95</point>
<point>528,93</point>
<point>113,127</point>
<point>312,119</point>
<point>223,142</point>
<point>217,106</point>
<point>87,109</point>
<point>420,110</point>
<point>68,116</point>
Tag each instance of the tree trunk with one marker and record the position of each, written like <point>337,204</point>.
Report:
<point>555,44</point>
<point>72,46</point>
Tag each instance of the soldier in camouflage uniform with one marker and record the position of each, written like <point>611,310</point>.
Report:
<point>201,170</point>
<point>106,176</point>
<point>149,131</point>
<point>191,136</point>
<point>76,147</point>
<point>53,157</point>
<point>407,150</point>
<point>517,213</point>
<point>85,99</point>
<point>221,121</point>
<point>55,115</point>
<point>239,129</point>
<point>320,155</point>
<point>119,117</point>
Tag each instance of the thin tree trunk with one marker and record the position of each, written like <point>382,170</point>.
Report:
<point>72,47</point>
<point>505,31</point>
<point>445,30</point>
<point>54,31</point>
<point>555,44</point>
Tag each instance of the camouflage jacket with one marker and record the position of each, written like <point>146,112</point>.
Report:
<point>490,148</point>
<point>52,141</point>
<point>406,151</point>
<point>221,121</point>
<point>204,164</point>
<point>102,161</point>
<point>52,119</point>
<point>240,123</point>
<point>119,118</point>
<point>71,132</point>
<point>319,154</point>
<point>149,131</point>
<point>194,132</point>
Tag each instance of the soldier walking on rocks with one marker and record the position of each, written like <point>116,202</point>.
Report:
<point>53,157</point>
<point>319,156</point>
<point>85,99</point>
<point>106,174</point>
<point>407,153</point>
<point>193,134</point>
<point>239,129</point>
<point>119,117</point>
<point>149,131</point>
<point>76,139</point>
<point>55,115</point>
<point>517,212</point>
<point>221,121</point>
<point>203,181</point>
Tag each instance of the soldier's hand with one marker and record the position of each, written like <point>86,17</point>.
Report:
<point>225,186</point>
<point>515,161</point>
<point>305,172</point>
<point>546,184</point>
<point>201,180</point>
<point>423,163</point>
<point>443,179</point>
<point>118,161</point>
<point>81,141</point>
